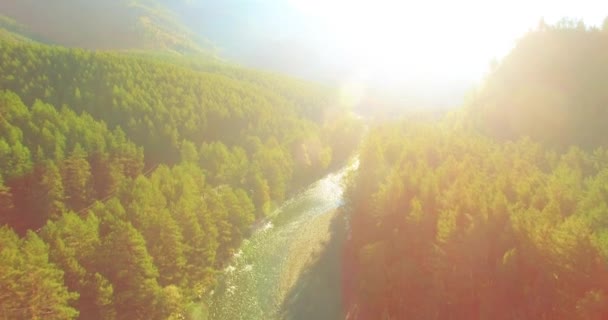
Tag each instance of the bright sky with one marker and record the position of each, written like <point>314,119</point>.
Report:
<point>451,40</point>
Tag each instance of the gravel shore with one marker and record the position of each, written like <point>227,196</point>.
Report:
<point>311,281</point>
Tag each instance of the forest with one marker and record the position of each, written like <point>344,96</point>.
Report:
<point>147,25</point>
<point>131,176</point>
<point>500,209</point>
<point>127,179</point>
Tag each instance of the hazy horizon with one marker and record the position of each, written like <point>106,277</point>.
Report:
<point>303,159</point>
<point>428,54</point>
<point>386,45</point>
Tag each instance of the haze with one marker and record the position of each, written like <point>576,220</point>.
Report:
<point>291,159</point>
<point>435,50</point>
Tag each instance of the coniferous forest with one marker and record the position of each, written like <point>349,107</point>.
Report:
<point>128,179</point>
<point>498,211</point>
<point>133,173</point>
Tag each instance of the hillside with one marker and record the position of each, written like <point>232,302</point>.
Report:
<point>499,210</point>
<point>551,87</point>
<point>132,177</point>
<point>114,24</point>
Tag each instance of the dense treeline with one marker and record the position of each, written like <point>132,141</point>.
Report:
<point>47,157</point>
<point>167,108</point>
<point>448,225</point>
<point>132,180</point>
<point>141,255</point>
<point>140,95</point>
<point>551,87</point>
<point>499,211</point>
<point>112,24</point>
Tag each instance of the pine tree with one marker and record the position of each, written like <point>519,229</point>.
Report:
<point>73,245</point>
<point>49,192</point>
<point>32,288</point>
<point>166,246</point>
<point>77,179</point>
<point>188,152</point>
<point>6,203</point>
<point>125,262</point>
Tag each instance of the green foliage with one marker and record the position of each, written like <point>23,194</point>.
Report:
<point>77,179</point>
<point>125,262</point>
<point>137,24</point>
<point>159,104</point>
<point>343,134</point>
<point>53,160</point>
<point>501,210</point>
<point>550,88</point>
<point>49,194</point>
<point>31,287</point>
<point>73,247</point>
<point>6,201</point>
<point>447,223</point>
<point>222,165</point>
<point>144,173</point>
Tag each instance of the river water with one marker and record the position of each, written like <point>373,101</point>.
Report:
<point>253,286</point>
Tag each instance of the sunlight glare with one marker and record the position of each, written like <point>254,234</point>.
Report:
<point>452,40</point>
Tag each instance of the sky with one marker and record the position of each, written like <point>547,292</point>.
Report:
<point>434,49</point>
<point>452,40</point>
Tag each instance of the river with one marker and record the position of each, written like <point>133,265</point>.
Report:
<point>289,268</point>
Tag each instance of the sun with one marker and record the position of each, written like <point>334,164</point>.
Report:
<point>393,40</point>
<point>426,46</point>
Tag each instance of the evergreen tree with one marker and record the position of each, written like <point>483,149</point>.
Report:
<point>125,262</point>
<point>32,288</point>
<point>77,179</point>
<point>6,203</point>
<point>48,196</point>
<point>73,247</point>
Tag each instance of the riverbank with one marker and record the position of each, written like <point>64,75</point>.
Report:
<point>312,277</point>
<point>290,268</point>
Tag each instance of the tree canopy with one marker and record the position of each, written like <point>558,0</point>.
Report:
<point>133,177</point>
<point>499,210</point>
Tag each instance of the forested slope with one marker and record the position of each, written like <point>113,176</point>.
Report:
<point>107,25</point>
<point>551,87</point>
<point>132,179</point>
<point>499,211</point>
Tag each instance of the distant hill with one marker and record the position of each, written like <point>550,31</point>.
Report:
<point>448,223</point>
<point>551,87</point>
<point>112,24</point>
<point>270,35</point>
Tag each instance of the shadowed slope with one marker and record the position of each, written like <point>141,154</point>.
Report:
<point>317,292</point>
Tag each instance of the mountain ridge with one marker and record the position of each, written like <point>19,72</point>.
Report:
<point>107,25</point>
